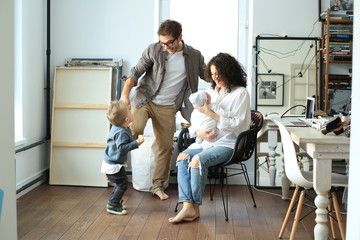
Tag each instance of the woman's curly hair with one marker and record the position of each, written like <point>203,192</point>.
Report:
<point>229,69</point>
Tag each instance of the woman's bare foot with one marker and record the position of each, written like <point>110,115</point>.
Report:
<point>197,215</point>
<point>187,213</point>
<point>161,195</point>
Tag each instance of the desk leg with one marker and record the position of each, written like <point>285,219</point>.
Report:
<point>322,185</point>
<point>272,143</point>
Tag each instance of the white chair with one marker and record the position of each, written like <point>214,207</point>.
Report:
<point>303,181</point>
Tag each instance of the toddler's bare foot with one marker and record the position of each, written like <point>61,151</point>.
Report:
<point>161,195</point>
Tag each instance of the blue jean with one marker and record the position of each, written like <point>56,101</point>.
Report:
<point>192,181</point>
<point>120,181</point>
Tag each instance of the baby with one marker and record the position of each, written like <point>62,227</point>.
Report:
<point>201,121</point>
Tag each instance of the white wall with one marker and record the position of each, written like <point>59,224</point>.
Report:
<point>95,29</point>
<point>353,217</point>
<point>8,229</point>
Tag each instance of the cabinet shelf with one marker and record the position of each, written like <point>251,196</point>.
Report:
<point>338,61</point>
<point>337,49</point>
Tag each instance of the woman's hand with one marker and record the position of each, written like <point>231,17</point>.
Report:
<point>208,135</point>
<point>206,110</point>
<point>203,109</point>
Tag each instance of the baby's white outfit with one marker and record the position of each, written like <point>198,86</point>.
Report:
<point>200,121</point>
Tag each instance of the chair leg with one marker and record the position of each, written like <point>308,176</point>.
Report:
<point>338,215</point>
<point>297,215</point>
<point>243,167</point>
<point>212,188</point>
<point>331,219</point>
<point>176,207</point>
<point>288,213</point>
<point>258,171</point>
<point>226,198</point>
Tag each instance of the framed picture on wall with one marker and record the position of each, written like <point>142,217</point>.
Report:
<point>270,89</point>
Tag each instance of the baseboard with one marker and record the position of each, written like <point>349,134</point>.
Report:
<point>31,183</point>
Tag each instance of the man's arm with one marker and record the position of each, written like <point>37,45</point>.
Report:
<point>129,84</point>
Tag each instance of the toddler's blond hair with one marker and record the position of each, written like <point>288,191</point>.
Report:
<point>117,112</point>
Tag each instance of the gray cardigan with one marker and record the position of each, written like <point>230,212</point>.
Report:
<point>152,63</point>
<point>119,142</point>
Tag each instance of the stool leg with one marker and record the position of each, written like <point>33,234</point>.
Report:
<point>297,215</point>
<point>331,219</point>
<point>338,215</point>
<point>287,216</point>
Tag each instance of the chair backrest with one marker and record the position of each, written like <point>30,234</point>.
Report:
<point>292,168</point>
<point>184,139</point>
<point>246,141</point>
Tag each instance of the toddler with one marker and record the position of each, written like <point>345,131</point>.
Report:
<point>119,142</point>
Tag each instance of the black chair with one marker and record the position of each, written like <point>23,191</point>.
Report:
<point>245,146</point>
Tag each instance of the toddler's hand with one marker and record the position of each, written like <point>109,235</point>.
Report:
<point>140,140</point>
<point>107,179</point>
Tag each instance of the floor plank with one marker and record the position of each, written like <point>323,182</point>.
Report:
<point>67,212</point>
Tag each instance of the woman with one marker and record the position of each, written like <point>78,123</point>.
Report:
<point>232,113</point>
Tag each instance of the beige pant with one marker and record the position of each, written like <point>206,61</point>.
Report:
<point>163,121</point>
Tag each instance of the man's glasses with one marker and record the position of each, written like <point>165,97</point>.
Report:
<point>168,44</point>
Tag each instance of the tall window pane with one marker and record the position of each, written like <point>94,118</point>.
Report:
<point>208,25</point>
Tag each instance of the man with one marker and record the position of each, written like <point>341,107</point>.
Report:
<point>171,73</point>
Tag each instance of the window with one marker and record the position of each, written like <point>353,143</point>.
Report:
<point>19,138</point>
<point>209,26</point>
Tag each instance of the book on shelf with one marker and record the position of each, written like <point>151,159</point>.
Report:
<point>340,27</point>
<point>339,77</point>
<point>340,52</point>
<point>341,58</point>
<point>340,14</point>
<point>339,48</point>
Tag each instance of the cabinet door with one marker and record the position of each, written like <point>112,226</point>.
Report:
<point>79,125</point>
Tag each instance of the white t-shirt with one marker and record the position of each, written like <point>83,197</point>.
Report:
<point>174,79</point>
<point>107,168</point>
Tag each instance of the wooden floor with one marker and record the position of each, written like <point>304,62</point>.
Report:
<point>67,212</point>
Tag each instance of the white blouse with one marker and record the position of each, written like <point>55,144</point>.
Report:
<point>235,116</point>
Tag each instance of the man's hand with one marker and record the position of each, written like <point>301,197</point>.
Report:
<point>126,100</point>
<point>129,84</point>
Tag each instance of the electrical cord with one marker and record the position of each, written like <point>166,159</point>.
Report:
<point>274,194</point>
<point>298,105</point>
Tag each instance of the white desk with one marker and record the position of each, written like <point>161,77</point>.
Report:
<point>322,148</point>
